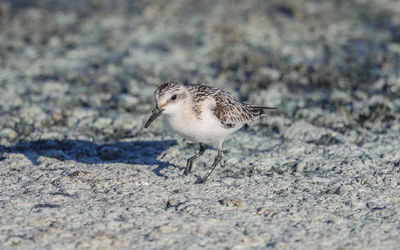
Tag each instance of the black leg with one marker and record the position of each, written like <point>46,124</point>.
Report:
<point>189,163</point>
<point>217,159</point>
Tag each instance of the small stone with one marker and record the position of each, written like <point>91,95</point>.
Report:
<point>8,133</point>
<point>126,101</point>
<point>264,211</point>
<point>167,229</point>
<point>172,203</point>
<point>228,180</point>
<point>102,123</point>
<point>232,161</point>
<point>232,202</point>
<point>126,122</point>
<point>54,88</point>
<point>80,173</point>
<point>274,74</point>
<point>52,136</point>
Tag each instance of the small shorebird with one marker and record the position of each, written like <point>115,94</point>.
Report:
<point>202,114</point>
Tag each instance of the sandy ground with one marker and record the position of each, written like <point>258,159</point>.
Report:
<point>77,169</point>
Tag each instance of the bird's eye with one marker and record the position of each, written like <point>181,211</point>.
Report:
<point>173,97</point>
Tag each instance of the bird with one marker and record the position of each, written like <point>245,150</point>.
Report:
<point>202,114</point>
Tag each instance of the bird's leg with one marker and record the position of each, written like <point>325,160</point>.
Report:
<point>217,159</point>
<point>189,163</point>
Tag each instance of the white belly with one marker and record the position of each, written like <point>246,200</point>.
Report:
<point>207,130</point>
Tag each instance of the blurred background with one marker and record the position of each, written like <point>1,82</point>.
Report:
<point>77,169</point>
<point>88,69</point>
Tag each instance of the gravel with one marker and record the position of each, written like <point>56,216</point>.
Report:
<point>79,171</point>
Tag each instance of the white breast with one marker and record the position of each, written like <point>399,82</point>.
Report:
<point>207,129</point>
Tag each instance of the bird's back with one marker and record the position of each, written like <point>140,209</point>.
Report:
<point>229,111</point>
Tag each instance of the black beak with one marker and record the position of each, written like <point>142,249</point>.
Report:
<point>156,113</point>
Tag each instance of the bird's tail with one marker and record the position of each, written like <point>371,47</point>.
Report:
<point>262,107</point>
<point>259,110</point>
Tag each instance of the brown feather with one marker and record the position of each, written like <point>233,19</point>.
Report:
<point>229,111</point>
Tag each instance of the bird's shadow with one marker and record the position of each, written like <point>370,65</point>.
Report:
<point>132,152</point>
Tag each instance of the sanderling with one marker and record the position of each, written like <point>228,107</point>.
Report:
<point>202,114</point>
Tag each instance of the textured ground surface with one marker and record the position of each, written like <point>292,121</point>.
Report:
<point>78,170</point>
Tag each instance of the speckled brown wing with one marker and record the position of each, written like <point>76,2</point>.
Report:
<point>231,112</point>
<point>200,93</point>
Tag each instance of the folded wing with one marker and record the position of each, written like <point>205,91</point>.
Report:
<point>231,112</point>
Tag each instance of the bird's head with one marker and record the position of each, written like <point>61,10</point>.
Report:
<point>170,98</point>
